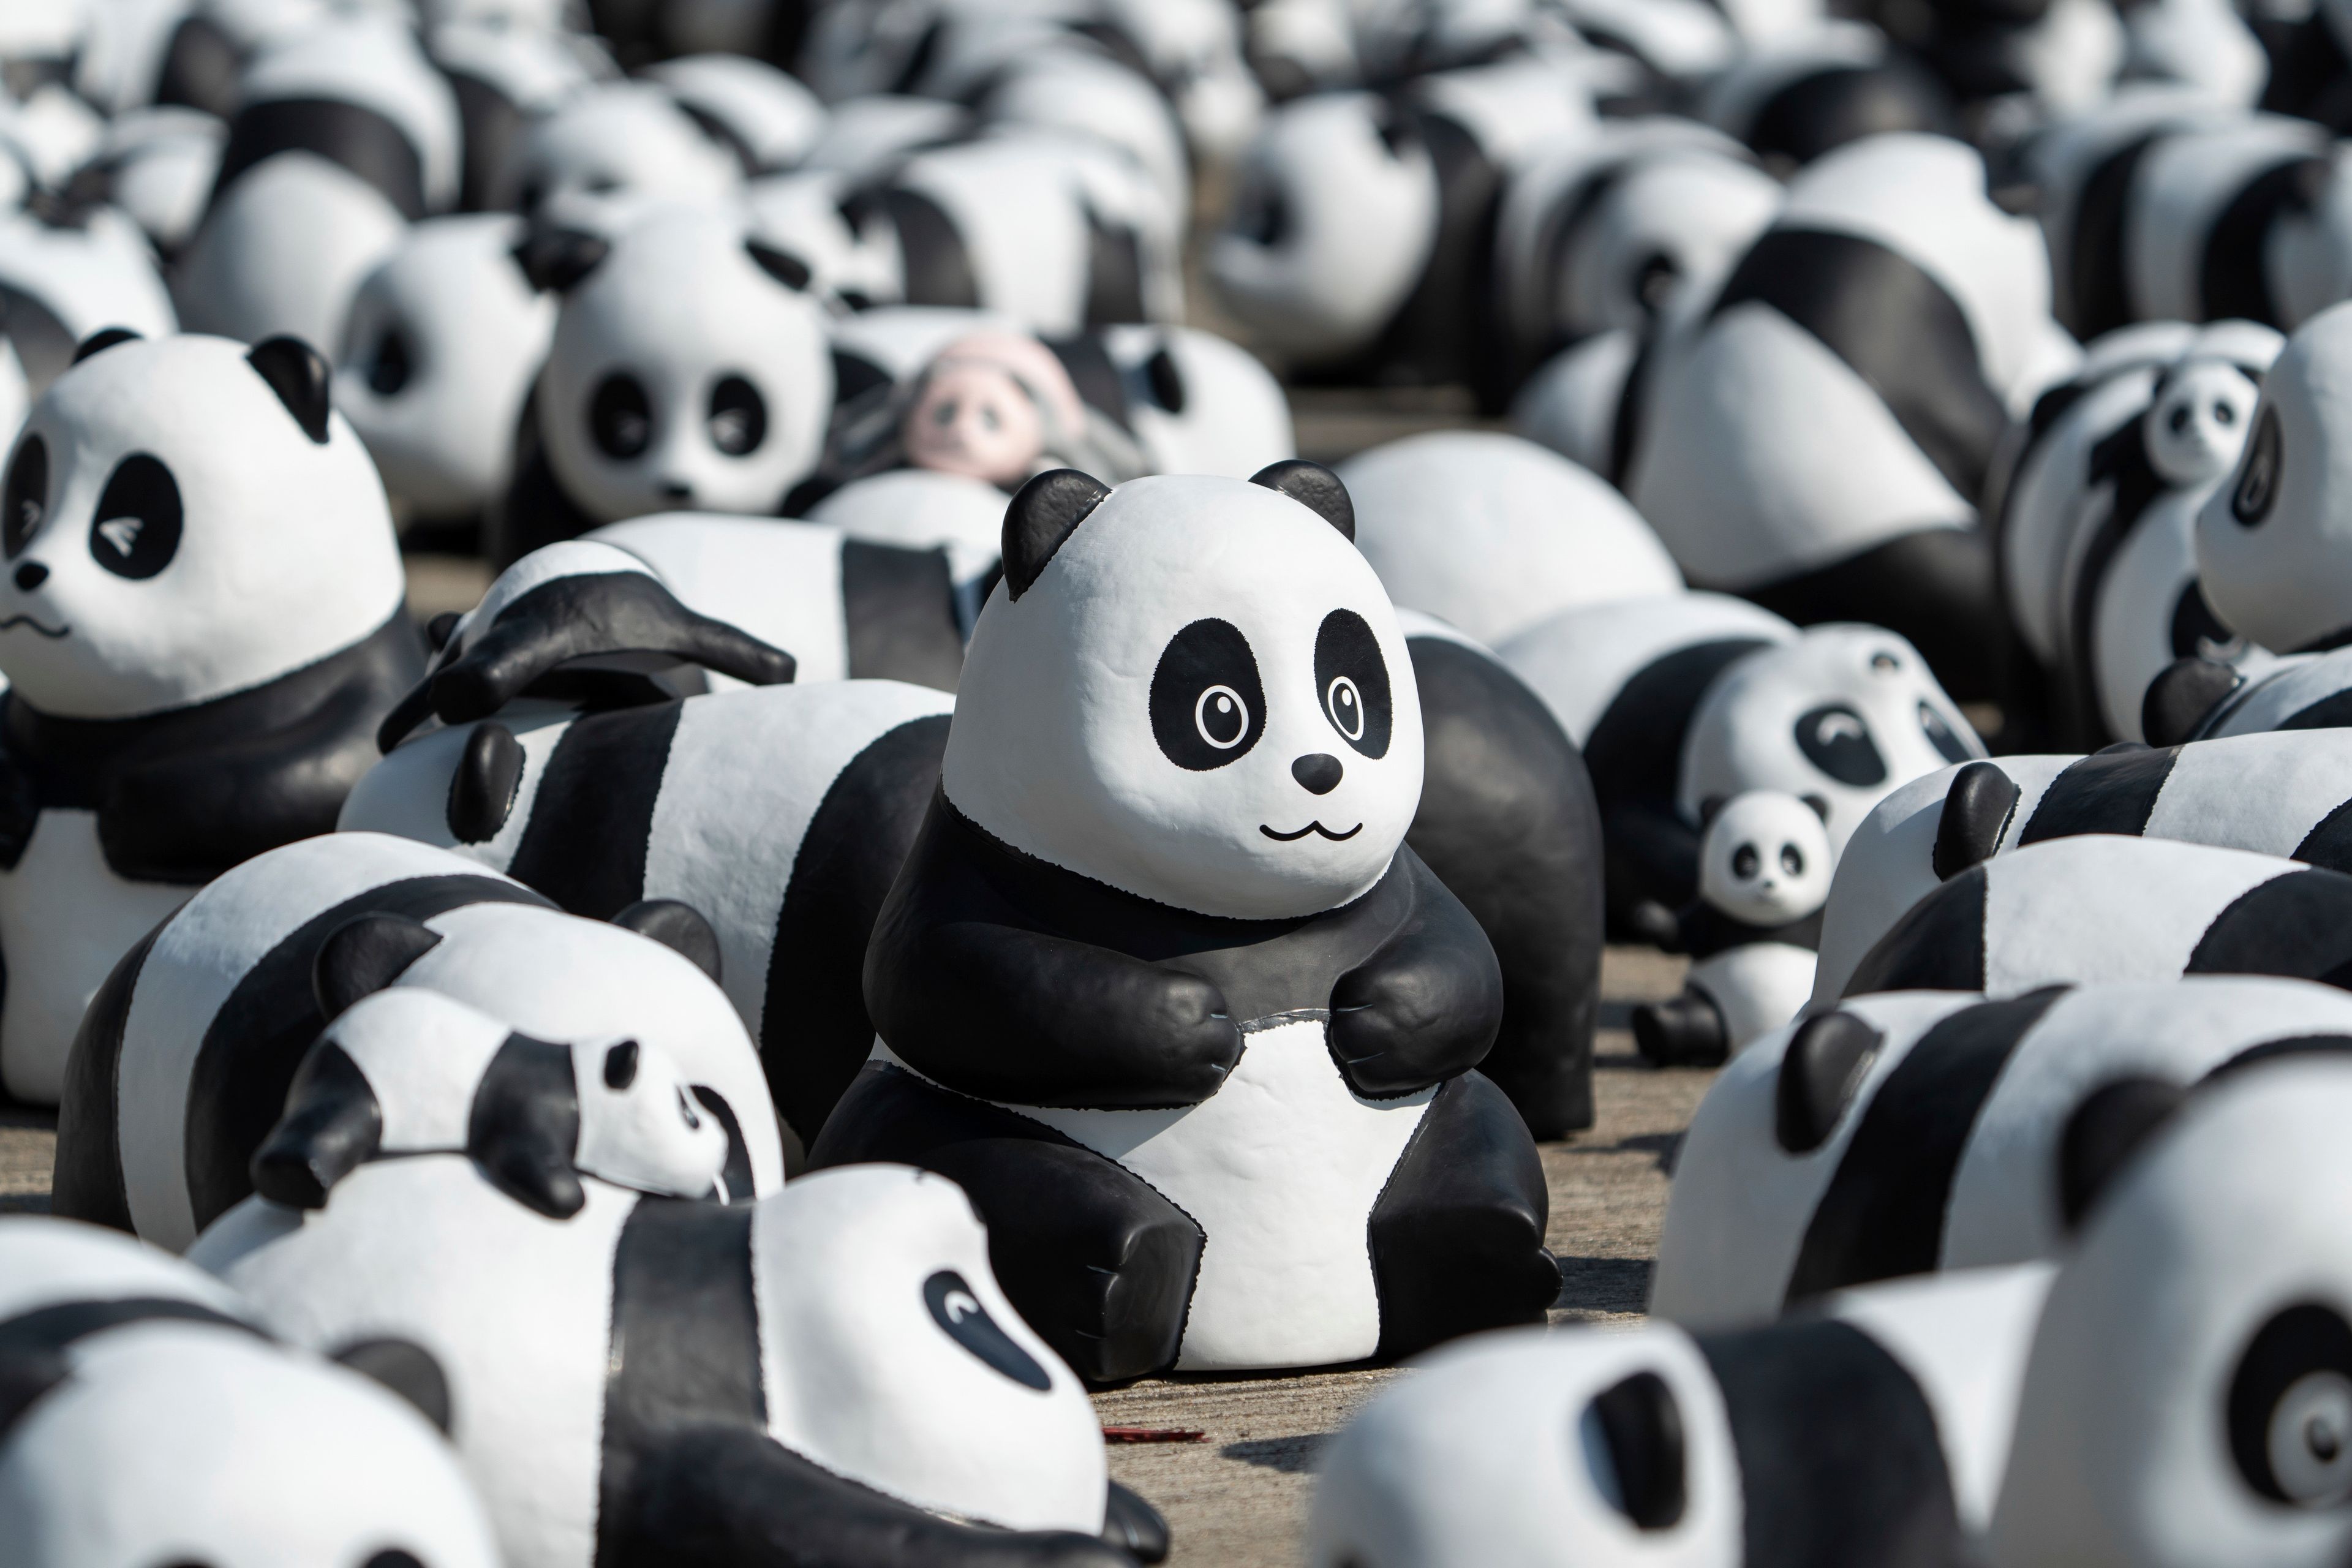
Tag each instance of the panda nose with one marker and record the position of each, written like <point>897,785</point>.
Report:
<point>31,575</point>
<point>1318,773</point>
<point>676,489</point>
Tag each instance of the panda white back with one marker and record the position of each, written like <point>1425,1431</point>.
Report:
<point>2179,192</point>
<point>1580,660</point>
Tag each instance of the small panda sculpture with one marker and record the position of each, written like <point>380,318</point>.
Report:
<point>1821,495</point>
<point>1679,700</point>
<point>1161,984</point>
<point>830,1374</point>
<point>1764,863</point>
<point>186,1058</point>
<point>203,624</point>
<point>150,1420</point>
<point>1905,1134</point>
<point>1872,1431</point>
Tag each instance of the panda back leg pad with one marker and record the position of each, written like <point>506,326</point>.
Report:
<point>1098,1262</point>
<point>1457,1235</point>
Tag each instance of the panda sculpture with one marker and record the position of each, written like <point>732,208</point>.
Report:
<point>1906,1134</point>
<point>1679,700</point>
<point>1764,865</point>
<point>185,1060</point>
<point>63,283</point>
<point>150,1420</point>
<point>618,138</point>
<point>437,357</point>
<point>2281,793</point>
<point>2103,906</point>
<point>1847,386</point>
<point>1871,1431</point>
<point>830,1374</point>
<point>689,372</point>
<point>203,624</point>
<point>158,165</point>
<point>1812,90</point>
<point>1161,984</point>
<point>2095,527</point>
<point>344,135</point>
<point>505,78</point>
<point>765,115</point>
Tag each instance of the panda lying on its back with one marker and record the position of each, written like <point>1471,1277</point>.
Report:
<point>201,626</point>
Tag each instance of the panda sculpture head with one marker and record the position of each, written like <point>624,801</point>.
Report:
<point>689,371</point>
<point>1765,860</point>
<point>1837,718</point>
<point>171,1431</point>
<point>2275,544</point>
<point>186,519</point>
<point>408,1071</point>
<point>1194,689</point>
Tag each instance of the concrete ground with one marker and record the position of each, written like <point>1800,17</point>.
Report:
<point>1236,1498</point>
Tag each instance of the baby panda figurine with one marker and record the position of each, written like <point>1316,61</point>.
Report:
<point>1764,865</point>
<point>190,1049</point>
<point>829,1376</point>
<point>202,625</point>
<point>1161,985</point>
<point>1908,1134</point>
<point>150,1419</point>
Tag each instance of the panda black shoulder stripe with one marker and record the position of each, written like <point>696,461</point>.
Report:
<point>2121,460</point>
<point>33,1344</point>
<point>684,1351</point>
<point>2328,845</point>
<point>361,141</point>
<point>1937,945</point>
<point>2099,288</point>
<point>252,1046</point>
<point>815,1014</point>
<point>1427,330</point>
<point>937,271</point>
<point>1846,290</point>
<point>2233,279</point>
<point>898,611</point>
<point>599,787</point>
<point>87,1183</point>
<point>2106,792</point>
<point>1634,751</point>
<point>1114,273</point>
<point>1812,1498</point>
<point>2298,925</point>
<point>1632,400</point>
<point>1883,1214</point>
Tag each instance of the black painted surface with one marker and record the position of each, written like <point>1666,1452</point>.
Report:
<point>2298,925</point>
<point>899,608</point>
<point>367,144</point>
<point>591,818</point>
<point>2233,277</point>
<point>86,1183</point>
<point>522,1131</point>
<point>937,271</point>
<point>1937,945</point>
<point>2098,296</point>
<point>36,1346</point>
<point>1936,587</point>
<point>2107,791</point>
<point>1977,809</point>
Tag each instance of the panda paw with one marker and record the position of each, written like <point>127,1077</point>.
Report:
<point>1683,1031</point>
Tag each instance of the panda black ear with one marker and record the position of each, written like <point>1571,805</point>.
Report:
<point>1314,487</point>
<point>1043,513</point>
<point>1977,809</point>
<point>99,341</point>
<point>558,259</point>
<point>1710,808</point>
<point>1821,804</point>
<point>680,927</point>
<point>1641,1426</point>
<point>781,265</point>
<point>406,1368</point>
<point>1822,1068</point>
<point>2104,1134</point>
<point>300,377</point>
<point>333,1124</point>
<point>523,1132</point>
<point>363,955</point>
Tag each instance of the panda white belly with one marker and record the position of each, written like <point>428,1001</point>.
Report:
<point>1757,986</point>
<point>1280,1169</point>
<point>65,920</point>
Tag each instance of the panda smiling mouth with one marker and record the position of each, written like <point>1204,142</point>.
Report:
<point>15,621</point>
<point>1311,827</point>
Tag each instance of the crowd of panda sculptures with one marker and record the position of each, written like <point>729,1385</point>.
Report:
<point>949,868</point>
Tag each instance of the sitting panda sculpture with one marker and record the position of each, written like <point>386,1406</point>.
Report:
<point>149,1420</point>
<point>1161,984</point>
<point>204,625</point>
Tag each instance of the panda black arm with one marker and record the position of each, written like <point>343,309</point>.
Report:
<point>729,1497</point>
<point>1428,1002</point>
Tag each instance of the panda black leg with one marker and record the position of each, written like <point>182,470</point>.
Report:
<point>1097,1261</point>
<point>1682,1031</point>
<point>1457,1235</point>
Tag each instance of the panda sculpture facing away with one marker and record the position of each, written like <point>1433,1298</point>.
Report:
<point>1160,982</point>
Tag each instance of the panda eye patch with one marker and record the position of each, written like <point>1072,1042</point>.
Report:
<point>1836,740</point>
<point>137,529</point>
<point>621,417</point>
<point>2257,489</point>
<point>1745,861</point>
<point>1208,706</point>
<point>1942,736</point>
<point>2290,1408</point>
<point>390,366</point>
<point>27,496</point>
<point>739,416</point>
<point>957,1310</point>
<point>1352,680</point>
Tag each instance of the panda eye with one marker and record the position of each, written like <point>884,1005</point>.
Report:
<point>2178,422</point>
<point>2224,415</point>
<point>620,416</point>
<point>1792,861</point>
<point>957,1311</point>
<point>945,414</point>
<point>1836,740</point>
<point>2257,489</point>
<point>686,1113</point>
<point>1208,706</point>
<point>394,1557</point>
<point>391,367</point>
<point>27,496</point>
<point>1354,681</point>
<point>1745,861</point>
<point>137,529</point>
<point>1942,736</point>
<point>739,416</point>
<point>2290,1408</point>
